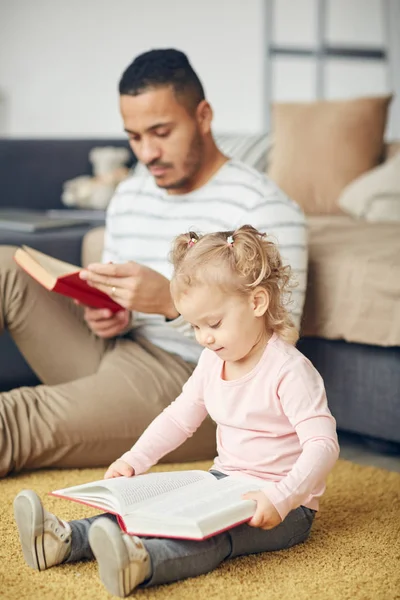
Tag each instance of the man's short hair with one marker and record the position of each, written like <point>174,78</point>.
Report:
<point>163,68</point>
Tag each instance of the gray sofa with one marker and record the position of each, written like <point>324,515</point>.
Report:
<point>362,381</point>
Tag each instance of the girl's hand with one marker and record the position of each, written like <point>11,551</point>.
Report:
<point>266,515</point>
<point>119,468</point>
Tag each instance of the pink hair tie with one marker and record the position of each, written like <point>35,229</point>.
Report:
<point>191,242</point>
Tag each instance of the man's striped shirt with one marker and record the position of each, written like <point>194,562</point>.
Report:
<point>143,220</point>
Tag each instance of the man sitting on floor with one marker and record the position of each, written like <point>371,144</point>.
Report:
<point>106,376</point>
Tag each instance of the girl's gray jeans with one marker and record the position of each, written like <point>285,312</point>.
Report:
<point>173,559</point>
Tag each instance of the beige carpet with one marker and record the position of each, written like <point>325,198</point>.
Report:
<point>353,552</point>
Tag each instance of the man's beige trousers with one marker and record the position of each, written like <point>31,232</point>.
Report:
<point>97,395</point>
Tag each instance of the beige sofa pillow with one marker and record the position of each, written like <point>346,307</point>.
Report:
<point>375,196</point>
<point>320,147</point>
<point>92,246</point>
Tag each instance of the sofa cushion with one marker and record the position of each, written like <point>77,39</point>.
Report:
<point>353,284</point>
<point>375,196</point>
<point>320,147</point>
<point>92,246</point>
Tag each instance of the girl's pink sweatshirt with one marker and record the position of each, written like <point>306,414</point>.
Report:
<point>273,424</point>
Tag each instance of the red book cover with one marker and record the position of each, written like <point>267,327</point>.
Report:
<point>63,278</point>
<point>71,285</point>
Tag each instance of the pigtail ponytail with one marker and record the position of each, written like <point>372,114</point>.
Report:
<point>259,262</point>
<point>182,244</point>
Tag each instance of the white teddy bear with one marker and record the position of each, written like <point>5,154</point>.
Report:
<point>96,192</point>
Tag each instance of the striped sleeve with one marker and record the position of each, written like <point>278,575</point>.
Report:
<point>183,327</point>
<point>110,252</point>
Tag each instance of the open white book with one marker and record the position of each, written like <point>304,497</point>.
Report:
<point>182,504</point>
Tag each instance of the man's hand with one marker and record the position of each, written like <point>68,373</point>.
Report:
<point>106,324</point>
<point>134,286</point>
<point>266,515</point>
<point>119,468</point>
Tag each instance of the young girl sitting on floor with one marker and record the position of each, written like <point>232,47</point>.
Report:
<point>268,402</point>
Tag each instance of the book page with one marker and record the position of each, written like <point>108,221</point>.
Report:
<point>56,267</point>
<point>134,490</point>
<point>128,492</point>
<point>201,500</point>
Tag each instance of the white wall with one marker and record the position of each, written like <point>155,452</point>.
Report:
<point>60,61</point>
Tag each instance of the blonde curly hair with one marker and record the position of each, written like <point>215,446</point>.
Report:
<point>238,262</point>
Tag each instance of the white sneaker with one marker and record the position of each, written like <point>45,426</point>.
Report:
<point>123,561</point>
<point>45,540</point>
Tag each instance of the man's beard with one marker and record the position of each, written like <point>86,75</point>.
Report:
<point>191,165</point>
